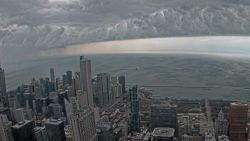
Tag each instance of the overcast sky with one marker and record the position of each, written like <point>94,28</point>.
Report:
<point>29,26</point>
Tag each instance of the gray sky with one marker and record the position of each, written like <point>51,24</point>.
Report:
<point>29,26</point>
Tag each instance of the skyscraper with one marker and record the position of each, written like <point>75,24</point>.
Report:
<point>134,121</point>
<point>103,89</point>
<point>5,129</point>
<point>55,130</point>
<point>52,79</point>
<point>52,75</point>
<point>3,94</point>
<point>237,121</point>
<point>82,124</point>
<point>76,83</point>
<point>24,131</point>
<point>69,77</point>
<point>122,81</point>
<point>116,87</point>
<point>86,80</point>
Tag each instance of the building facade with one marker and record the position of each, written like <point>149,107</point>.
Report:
<point>82,125</point>
<point>86,80</point>
<point>55,130</point>
<point>24,131</point>
<point>221,125</point>
<point>103,89</point>
<point>122,81</point>
<point>3,94</point>
<point>163,114</point>
<point>134,121</point>
<point>237,121</point>
<point>41,133</point>
<point>5,128</point>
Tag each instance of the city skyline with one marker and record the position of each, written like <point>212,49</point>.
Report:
<point>124,70</point>
<point>64,106</point>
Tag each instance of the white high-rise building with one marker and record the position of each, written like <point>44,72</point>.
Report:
<point>86,80</point>
<point>5,129</point>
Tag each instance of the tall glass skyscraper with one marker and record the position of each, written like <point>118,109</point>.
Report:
<point>134,121</point>
<point>3,94</point>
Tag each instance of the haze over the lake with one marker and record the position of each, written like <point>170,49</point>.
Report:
<point>234,46</point>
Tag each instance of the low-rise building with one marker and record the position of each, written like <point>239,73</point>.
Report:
<point>162,133</point>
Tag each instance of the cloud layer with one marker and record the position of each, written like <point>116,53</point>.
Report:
<point>27,26</point>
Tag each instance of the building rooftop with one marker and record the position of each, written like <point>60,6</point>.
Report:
<point>21,124</point>
<point>223,138</point>
<point>3,109</point>
<point>163,132</point>
<point>162,103</point>
<point>238,104</point>
<point>39,128</point>
<point>53,121</point>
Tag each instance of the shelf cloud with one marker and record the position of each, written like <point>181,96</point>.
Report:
<point>28,26</point>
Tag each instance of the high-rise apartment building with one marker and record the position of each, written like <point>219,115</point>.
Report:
<point>86,80</point>
<point>237,121</point>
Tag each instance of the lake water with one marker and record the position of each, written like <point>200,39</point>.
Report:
<point>189,76</point>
